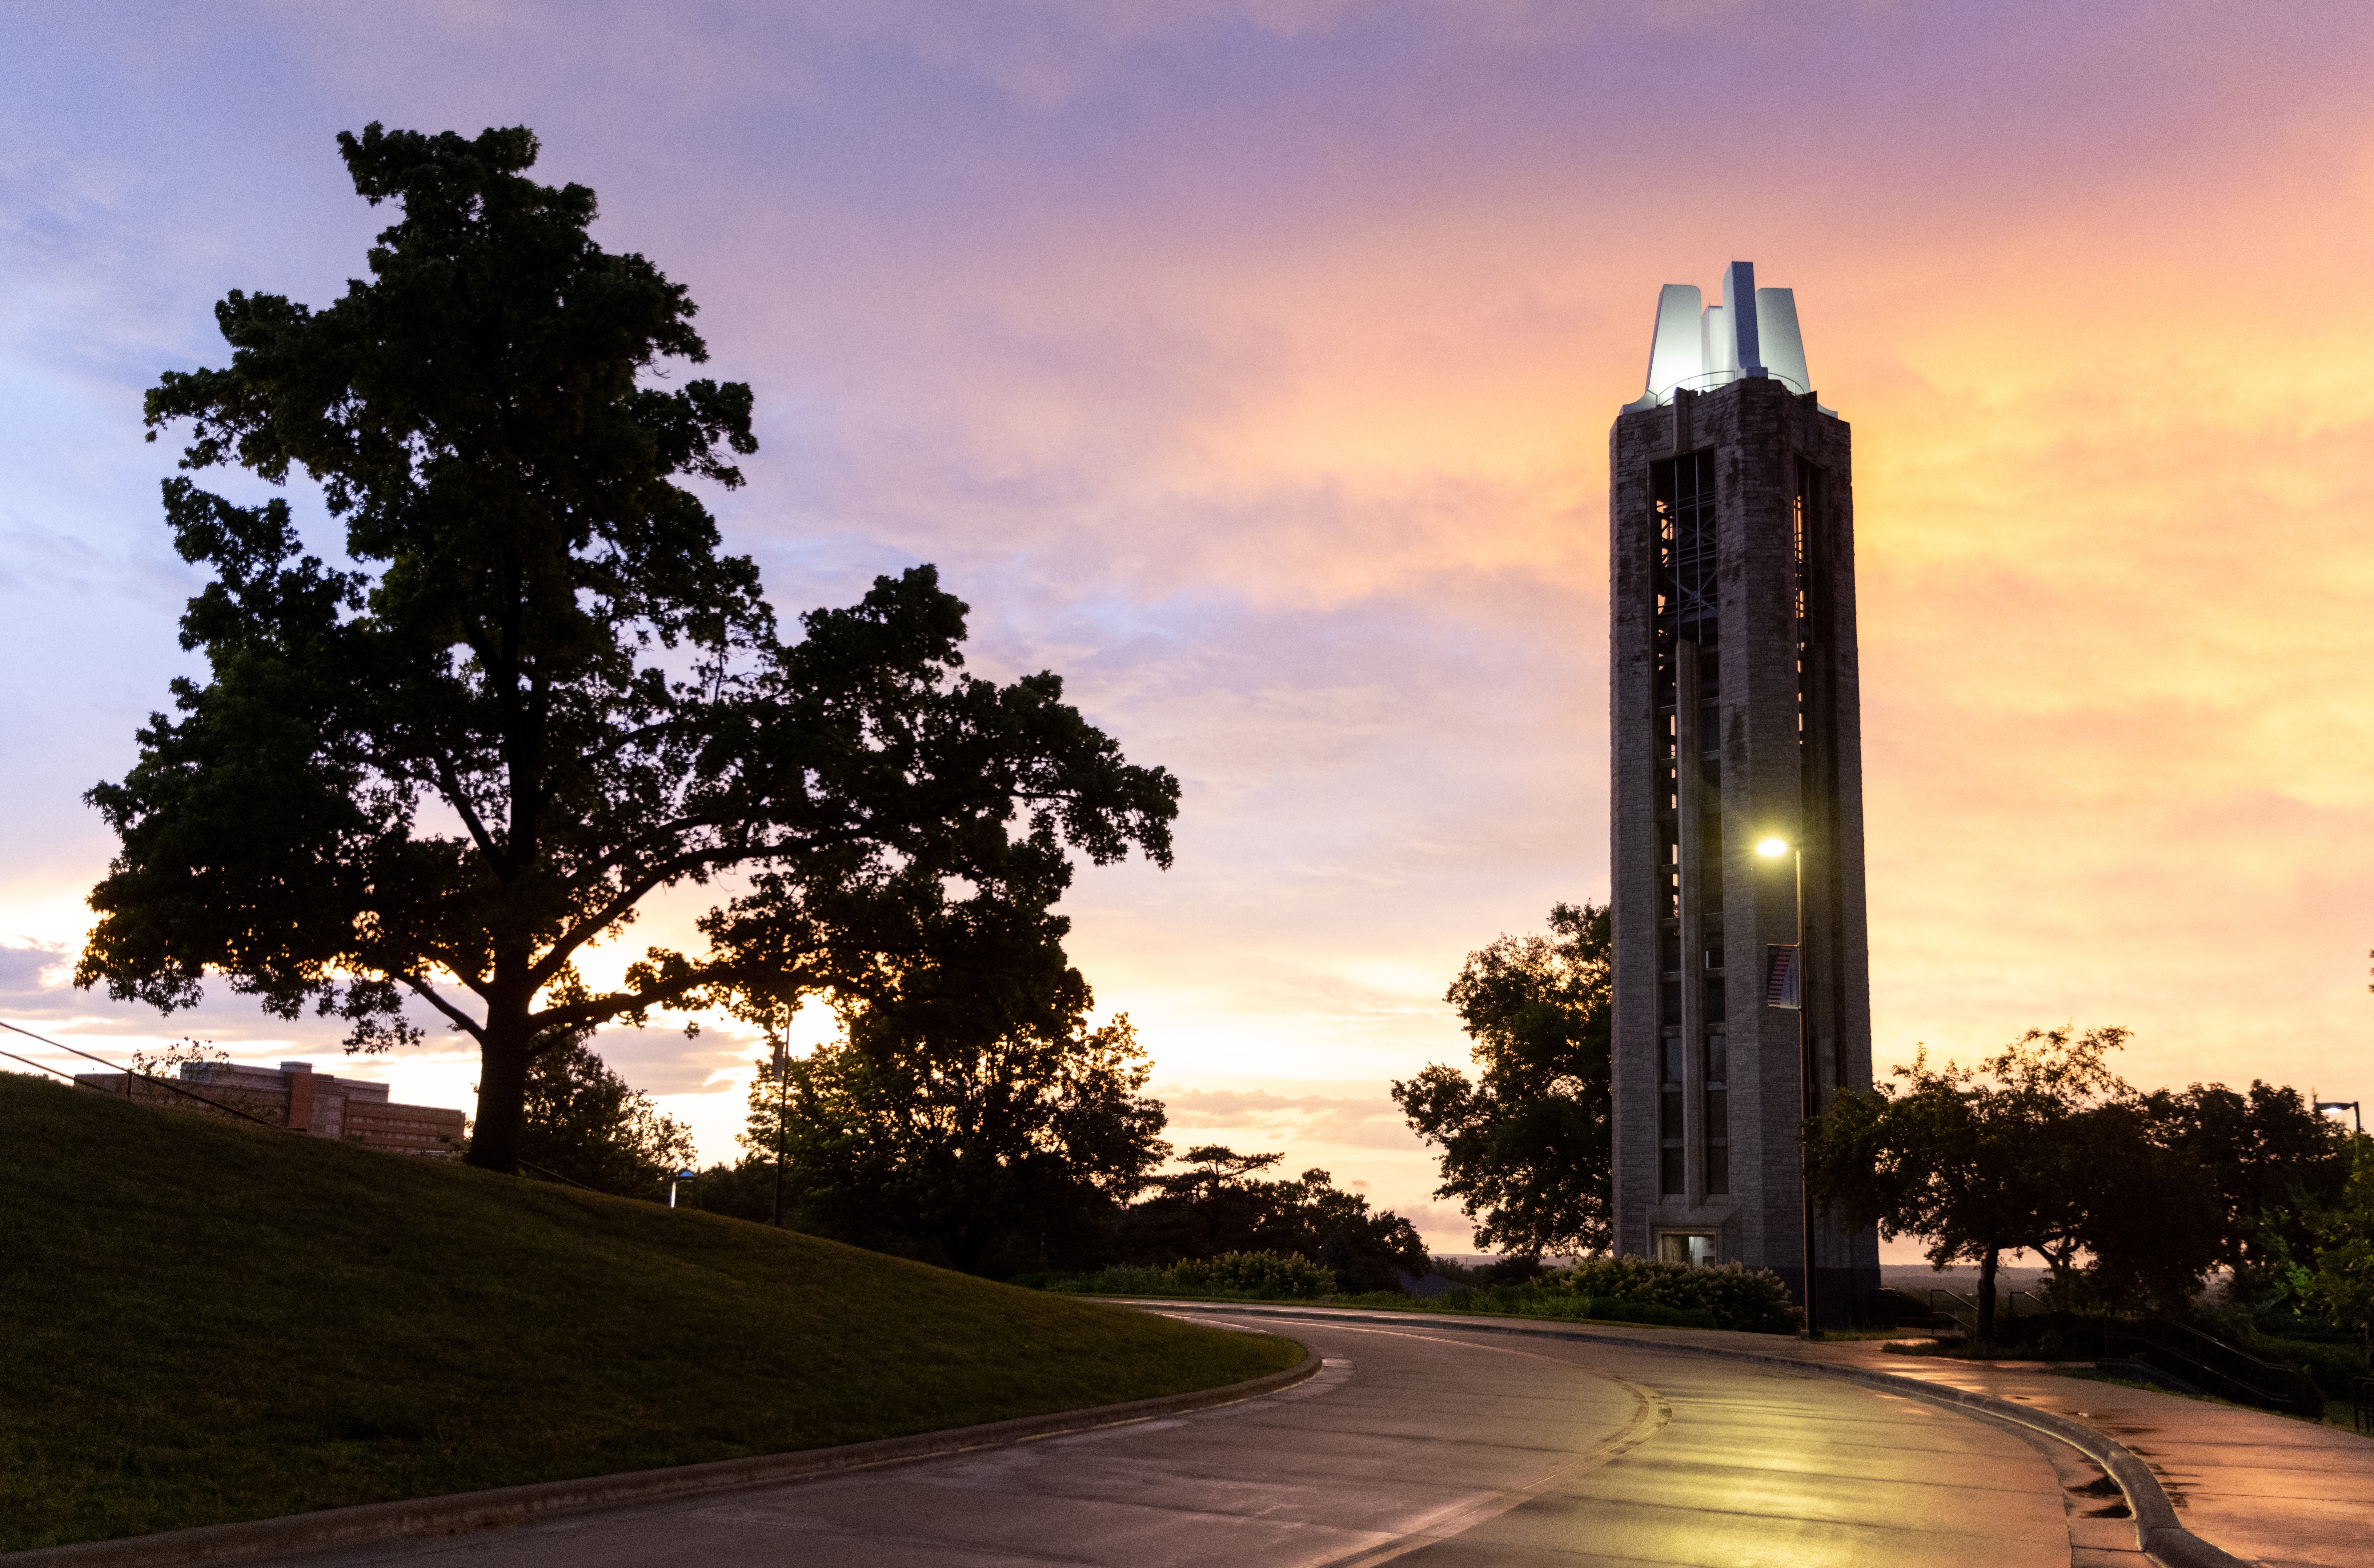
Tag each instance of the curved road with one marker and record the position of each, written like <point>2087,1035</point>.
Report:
<point>1418,1446</point>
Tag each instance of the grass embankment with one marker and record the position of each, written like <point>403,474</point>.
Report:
<point>203,1321</point>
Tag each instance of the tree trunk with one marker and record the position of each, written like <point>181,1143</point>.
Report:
<point>502,1094</point>
<point>2063,1276</point>
<point>1987,1261</point>
<point>965,1246</point>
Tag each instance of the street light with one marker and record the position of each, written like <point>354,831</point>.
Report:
<point>782,1099</point>
<point>677,1180</point>
<point>1783,978</point>
<point>2348,1106</point>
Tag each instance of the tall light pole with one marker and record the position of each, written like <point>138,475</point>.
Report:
<point>782,1099</point>
<point>2348,1106</point>
<point>1783,988</point>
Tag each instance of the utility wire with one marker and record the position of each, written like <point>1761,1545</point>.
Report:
<point>160,1082</point>
<point>557,1176</point>
<point>168,1083</point>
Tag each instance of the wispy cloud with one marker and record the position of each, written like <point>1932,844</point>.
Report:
<point>1250,363</point>
<point>1300,1121</point>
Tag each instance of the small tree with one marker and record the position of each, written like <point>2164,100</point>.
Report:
<point>2272,1161</point>
<point>1527,1143</point>
<point>1219,1204</point>
<point>2148,1208</point>
<point>542,694</point>
<point>968,1103</point>
<point>585,1124</point>
<point>1977,1162</point>
<point>2341,1286</point>
<point>1216,1201</point>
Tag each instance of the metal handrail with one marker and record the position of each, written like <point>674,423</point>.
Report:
<point>1707,381</point>
<point>1947,1317</point>
<point>2242,1377</point>
<point>1963,1311</point>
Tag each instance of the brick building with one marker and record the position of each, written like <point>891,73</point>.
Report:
<point>1734,720</point>
<point>297,1096</point>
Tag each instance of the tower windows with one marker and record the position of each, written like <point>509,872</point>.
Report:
<point>1688,751</point>
<point>1683,491</point>
<point>1715,1074</point>
<point>1670,1171</point>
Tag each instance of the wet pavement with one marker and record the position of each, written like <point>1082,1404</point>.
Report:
<point>2269,1489</point>
<point>1421,1443</point>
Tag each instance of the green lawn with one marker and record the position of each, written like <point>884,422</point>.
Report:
<point>203,1321</point>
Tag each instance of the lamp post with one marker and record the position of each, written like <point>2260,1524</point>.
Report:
<point>1793,996</point>
<point>782,1099</point>
<point>2348,1106</point>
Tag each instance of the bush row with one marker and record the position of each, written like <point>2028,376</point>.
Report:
<point>1244,1276</point>
<point>1636,1289</point>
<point>1620,1289</point>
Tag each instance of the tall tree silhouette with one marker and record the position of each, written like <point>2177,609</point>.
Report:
<point>539,693</point>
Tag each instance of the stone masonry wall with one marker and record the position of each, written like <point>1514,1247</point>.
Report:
<point>1756,428</point>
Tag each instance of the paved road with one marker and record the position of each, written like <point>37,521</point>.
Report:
<point>1417,1446</point>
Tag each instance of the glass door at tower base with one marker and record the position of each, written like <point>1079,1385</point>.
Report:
<point>1694,1248</point>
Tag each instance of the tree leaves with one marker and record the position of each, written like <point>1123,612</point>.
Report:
<point>542,692</point>
<point>584,1124</point>
<point>1527,1145</point>
<point>2043,1148</point>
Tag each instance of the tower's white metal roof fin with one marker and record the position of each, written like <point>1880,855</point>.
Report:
<point>1752,335</point>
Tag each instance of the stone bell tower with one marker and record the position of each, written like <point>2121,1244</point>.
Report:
<point>1741,984</point>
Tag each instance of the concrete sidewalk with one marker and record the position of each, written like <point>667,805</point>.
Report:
<point>2273,1490</point>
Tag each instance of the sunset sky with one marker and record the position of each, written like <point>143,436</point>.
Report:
<point>1252,365</point>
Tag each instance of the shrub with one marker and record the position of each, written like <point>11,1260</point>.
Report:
<point>1241,1276</point>
<point>1537,1301</point>
<point>1617,1310</point>
<point>1120,1279</point>
<point>1738,1296</point>
<point>1254,1274</point>
<point>1727,1295</point>
<point>2334,1369</point>
<point>1620,1289</point>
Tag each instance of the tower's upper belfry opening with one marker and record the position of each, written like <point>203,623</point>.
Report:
<point>1751,336</point>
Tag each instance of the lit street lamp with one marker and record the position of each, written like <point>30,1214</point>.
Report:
<point>1783,981</point>
<point>677,1180</point>
<point>2348,1106</point>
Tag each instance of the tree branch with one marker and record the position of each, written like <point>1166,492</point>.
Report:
<point>462,1021</point>
<point>631,893</point>
<point>601,1010</point>
<point>449,784</point>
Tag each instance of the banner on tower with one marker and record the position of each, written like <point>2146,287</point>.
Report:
<point>1780,974</point>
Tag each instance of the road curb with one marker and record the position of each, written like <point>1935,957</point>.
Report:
<point>2157,1529</point>
<point>506,1507</point>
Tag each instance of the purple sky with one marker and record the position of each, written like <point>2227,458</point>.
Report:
<point>1252,365</point>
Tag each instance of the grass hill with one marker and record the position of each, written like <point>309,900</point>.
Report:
<point>203,1321</point>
